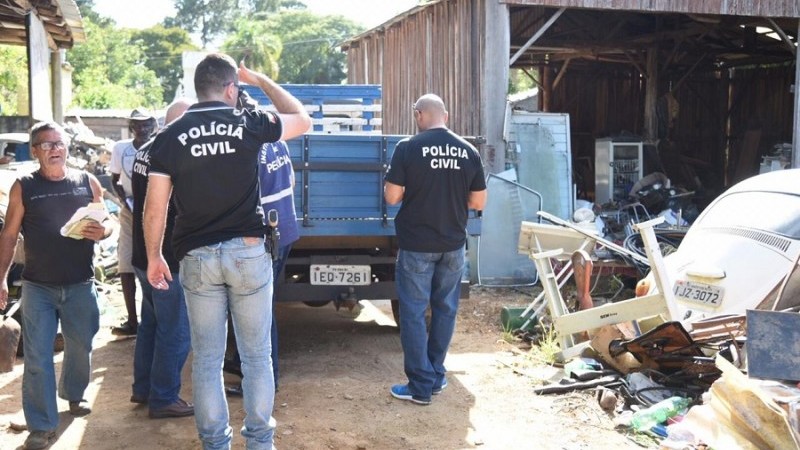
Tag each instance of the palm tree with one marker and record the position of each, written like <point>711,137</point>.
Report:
<point>252,42</point>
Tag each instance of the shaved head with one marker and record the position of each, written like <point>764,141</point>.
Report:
<point>176,109</point>
<point>429,112</point>
<point>430,103</point>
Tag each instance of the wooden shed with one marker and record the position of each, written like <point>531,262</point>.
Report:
<point>46,28</point>
<point>707,85</point>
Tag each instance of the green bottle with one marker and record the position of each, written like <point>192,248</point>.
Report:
<point>645,419</point>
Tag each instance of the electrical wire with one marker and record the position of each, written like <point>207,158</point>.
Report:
<point>664,237</point>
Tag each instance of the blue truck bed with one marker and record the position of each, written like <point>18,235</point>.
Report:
<point>344,221</point>
<point>339,188</point>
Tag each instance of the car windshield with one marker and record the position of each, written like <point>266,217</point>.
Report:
<point>768,211</point>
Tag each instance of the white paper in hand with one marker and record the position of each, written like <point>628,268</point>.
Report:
<point>93,212</point>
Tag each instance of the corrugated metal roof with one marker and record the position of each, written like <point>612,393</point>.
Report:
<point>755,8</point>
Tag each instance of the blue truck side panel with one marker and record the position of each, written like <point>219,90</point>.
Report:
<point>339,184</point>
<point>342,215</point>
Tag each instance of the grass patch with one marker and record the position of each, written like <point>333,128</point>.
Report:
<point>509,334</point>
<point>546,349</point>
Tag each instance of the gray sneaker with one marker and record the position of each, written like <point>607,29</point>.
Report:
<point>39,439</point>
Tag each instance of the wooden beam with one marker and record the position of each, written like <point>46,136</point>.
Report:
<point>688,72</point>
<point>561,72</point>
<point>636,64</point>
<point>495,42</point>
<point>533,78</point>
<point>671,55</point>
<point>532,23</point>
<point>796,127</point>
<point>783,35</point>
<point>24,4</point>
<point>547,89</point>
<point>536,36</point>
<point>651,96</point>
<point>11,40</point>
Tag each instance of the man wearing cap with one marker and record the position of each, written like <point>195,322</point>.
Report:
<point>141,124</point>
<point>162,341</point>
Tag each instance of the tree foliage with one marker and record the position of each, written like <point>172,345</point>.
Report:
<point>272,6</point>
<point>162,48</point>
<point>311,51</point>
<point>253,42</point>
<point>209,18</point>
<point>110,72</point>
<point>13,78</point>
<point>217,18</point>
<point>86,8</point>
<point>519,81</point>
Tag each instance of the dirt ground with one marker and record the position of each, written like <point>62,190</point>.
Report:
<point>336,370</point>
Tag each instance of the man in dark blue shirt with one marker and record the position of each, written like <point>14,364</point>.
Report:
<point>162,338</point>
<point>438,176</point>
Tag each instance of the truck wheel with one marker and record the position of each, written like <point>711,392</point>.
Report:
<point>317,304</point>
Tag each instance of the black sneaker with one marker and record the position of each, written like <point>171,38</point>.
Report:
<point>126,329</point>
<point>234,390</point>
<point>39,439</point>
<point>181,408</point>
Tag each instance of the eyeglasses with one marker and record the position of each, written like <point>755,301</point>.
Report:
<point>225,84</point>
<point>51,145</point>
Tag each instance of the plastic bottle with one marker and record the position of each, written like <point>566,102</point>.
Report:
<point>659,413</point>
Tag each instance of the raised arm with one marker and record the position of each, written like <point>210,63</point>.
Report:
<point>294,118</point>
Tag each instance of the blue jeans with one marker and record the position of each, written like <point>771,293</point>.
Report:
<point>237,276</point>
<point>162,343</point>
<point>277,267</point>
<point>75,305</point>
<point>425,279</point>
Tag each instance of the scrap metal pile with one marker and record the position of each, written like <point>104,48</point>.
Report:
<point>693,362</point>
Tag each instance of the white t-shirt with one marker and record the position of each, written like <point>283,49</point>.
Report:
<point>122,156</point>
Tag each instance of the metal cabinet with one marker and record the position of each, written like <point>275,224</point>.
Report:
<point>617,167</point>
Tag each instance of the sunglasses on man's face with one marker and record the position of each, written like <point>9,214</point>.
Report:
<point>51,145</point>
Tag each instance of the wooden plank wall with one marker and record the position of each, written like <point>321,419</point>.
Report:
<point>438,50</point>
<point>602,102</point>
<point>608,101</point>
<point>766,104</point>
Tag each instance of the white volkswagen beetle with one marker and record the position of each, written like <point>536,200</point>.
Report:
<point>737,254</point>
